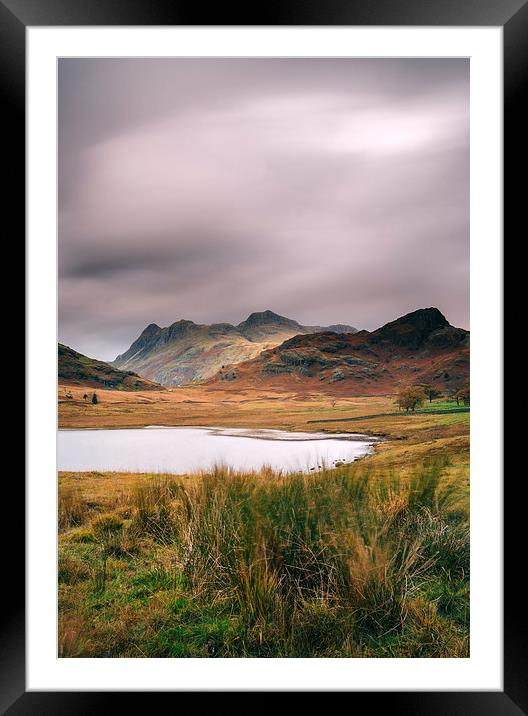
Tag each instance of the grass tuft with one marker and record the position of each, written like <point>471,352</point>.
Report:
<point>341,563</point>
<point>73,510</point>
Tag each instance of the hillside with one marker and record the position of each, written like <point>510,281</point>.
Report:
<point>421,347</point>
<point>77,369</point>
<point>186,351</point>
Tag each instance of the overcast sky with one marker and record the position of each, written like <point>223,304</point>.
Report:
<point>330,191</point>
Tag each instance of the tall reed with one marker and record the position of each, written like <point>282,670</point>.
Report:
<point>336,538</point>
<point>342,562</point>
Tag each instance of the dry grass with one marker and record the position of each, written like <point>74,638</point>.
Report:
<point>347,562</point>
<point>72,508</point>
<point>366,560</point>
<point>201,405</point>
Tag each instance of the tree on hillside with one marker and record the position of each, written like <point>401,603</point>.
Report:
<point>430,392</point>
<point>410,397</point>
<point>462,395</point>
<point>94,399</point>
<point>85,396</point>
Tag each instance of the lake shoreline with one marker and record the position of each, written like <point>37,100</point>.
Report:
<point>253,433</point>
<point>179,450</point>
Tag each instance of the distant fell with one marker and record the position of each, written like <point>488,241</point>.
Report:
<point>186,351</point>
<point>77,369</point>
<point>420,347</point>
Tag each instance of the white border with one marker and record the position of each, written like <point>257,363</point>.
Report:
<point>483,670</point>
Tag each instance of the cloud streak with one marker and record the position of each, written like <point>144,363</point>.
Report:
<point>327,190</point>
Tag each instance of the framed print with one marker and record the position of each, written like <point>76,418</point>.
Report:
<point>257,248</point>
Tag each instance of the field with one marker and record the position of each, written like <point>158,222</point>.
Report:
<point>370,559</point>
<point>212,406</point>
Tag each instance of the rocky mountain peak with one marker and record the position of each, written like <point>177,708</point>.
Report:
<point>413,328</point>
<point>427,318</point>
<point>151,329</point>
<point>266,317</point>
<point>187,351</point>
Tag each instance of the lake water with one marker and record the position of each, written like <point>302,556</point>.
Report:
<point>180,450</point>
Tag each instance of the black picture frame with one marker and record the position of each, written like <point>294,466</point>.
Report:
<point>512,15</point>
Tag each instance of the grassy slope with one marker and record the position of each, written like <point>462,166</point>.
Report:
<point>193,566</point>
<point>77,369</point>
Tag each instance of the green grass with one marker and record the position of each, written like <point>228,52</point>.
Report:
<point>442,405</point>
<point>341,563</point>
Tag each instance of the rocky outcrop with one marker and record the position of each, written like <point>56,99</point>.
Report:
<point>186,351</point>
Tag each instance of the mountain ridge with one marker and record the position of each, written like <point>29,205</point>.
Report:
<point>419,347</point>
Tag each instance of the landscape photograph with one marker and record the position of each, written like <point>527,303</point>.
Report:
<point>263,358</point>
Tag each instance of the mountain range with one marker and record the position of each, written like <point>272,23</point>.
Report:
<point>271,351</point>
<point>186,351</point>
<point>420,347</point>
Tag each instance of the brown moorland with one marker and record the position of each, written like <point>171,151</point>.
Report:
<point>421,347</point>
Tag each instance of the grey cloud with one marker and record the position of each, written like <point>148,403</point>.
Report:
<point>326,190</point>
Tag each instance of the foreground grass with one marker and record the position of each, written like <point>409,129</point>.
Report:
<point>354,562</point>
